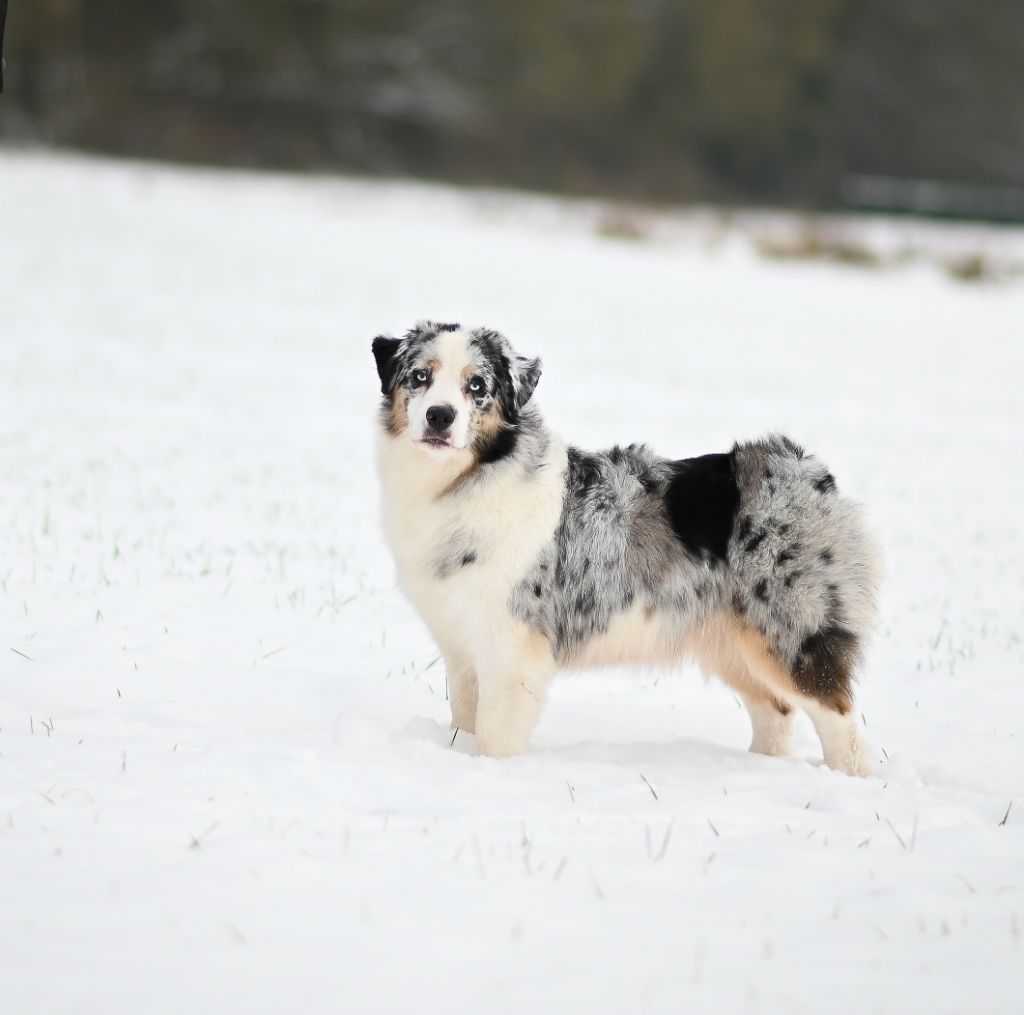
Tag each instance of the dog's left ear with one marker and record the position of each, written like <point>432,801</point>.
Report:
<point>384,349</point>
<point>525,374</point>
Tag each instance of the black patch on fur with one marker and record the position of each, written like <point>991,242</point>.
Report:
<point>826,484</point>
<point>584,470</point>
<point>384,349</point>
<point>825,556</point>
<point>586,601</point>
<point>792,577</point>
<point>449,563</point>
<point>835,603</point>
<point>537,591</point>
<point>784,556</point>
<point>447,327</point>
<point>701,501</point>
<point>498,447</point>
<point>792,447</point>
<point>824,665</point>
<point>649,481</point>
<point>761,590</point>
<point>755,542</point>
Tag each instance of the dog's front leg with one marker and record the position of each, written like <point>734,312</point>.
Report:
<point>513,676</point>
<point>462,688</point>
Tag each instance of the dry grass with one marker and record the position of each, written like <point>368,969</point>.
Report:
<point>814,243</point>
<point>618,223</point>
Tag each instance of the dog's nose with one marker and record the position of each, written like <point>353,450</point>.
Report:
<point>440,417</point>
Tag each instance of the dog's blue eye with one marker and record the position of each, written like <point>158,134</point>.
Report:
<point>419,377</point>
<point>476,385</point>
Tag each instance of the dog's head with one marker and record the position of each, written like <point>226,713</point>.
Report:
<point>452,389</point>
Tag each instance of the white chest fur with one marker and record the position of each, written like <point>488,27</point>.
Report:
<point>460,553</point>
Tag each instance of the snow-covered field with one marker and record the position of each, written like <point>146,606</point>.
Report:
<point>227,782</point>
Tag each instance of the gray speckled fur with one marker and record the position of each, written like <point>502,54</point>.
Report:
<point>614,549</point>
<point>799,561</point>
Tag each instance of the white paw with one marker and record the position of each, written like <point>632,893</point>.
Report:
<point>465,721</point>
<point>857,758</point>
<point>498,740</point>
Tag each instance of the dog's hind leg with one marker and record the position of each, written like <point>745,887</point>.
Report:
<point>820,683</point>
<point>840,737</point>
<point>513,675</point>
<point>772,724</point>
<point>771,718</point>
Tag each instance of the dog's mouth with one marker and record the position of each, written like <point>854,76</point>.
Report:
<point>436,442</point>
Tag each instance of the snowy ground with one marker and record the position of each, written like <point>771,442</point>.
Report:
<point>226,782</point>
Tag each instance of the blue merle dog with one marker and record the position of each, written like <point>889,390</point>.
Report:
<point>525,556</point>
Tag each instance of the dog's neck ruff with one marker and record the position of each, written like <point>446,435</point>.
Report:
<point>518,450</point>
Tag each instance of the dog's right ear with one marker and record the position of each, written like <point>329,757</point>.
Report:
<point>384,349</point>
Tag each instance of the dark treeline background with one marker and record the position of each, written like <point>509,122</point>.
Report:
<point>754,100</point>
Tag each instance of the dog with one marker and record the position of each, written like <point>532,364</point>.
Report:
<point>525,556</point>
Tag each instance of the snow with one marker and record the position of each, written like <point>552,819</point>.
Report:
<point>226,776</point>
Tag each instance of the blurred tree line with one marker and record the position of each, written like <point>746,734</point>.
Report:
<point>763,100</point>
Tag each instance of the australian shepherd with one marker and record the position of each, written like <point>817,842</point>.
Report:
<point>524,555</point>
